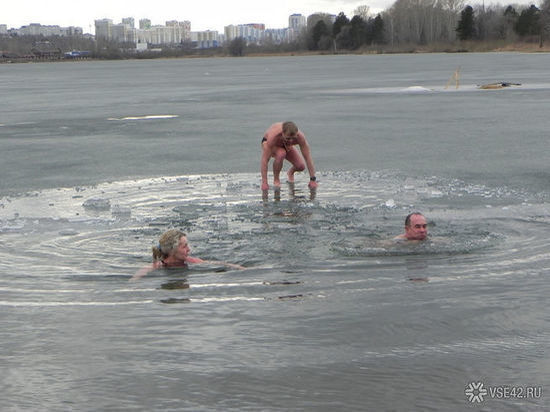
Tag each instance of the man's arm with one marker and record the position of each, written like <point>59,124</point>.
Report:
<point>306,152</point>
<point>266,155</point>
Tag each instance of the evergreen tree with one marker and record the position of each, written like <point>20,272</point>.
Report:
<point>510,12</point>
<point>378,30</point>
<point>465,28</point>
<point>320,35</point>
<point>339,23</point>
<point>528,23</point>
<point>358,31</point>
<point>344,39</point>
<point>316,30</point>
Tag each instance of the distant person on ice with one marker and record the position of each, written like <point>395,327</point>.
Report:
<point>173,251</point>
<point>278,142</point>
<point>416,227</point>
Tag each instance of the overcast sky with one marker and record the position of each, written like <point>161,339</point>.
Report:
<point>203,15</point>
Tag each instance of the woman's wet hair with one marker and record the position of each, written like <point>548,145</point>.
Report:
<point>168,241</point>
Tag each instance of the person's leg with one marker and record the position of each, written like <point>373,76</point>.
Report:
<point>279,157</point>
<point>297,161</point>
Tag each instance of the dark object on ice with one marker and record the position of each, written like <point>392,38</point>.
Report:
<point>498,85</point>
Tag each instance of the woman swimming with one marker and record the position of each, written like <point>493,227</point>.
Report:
<point>173,251</point>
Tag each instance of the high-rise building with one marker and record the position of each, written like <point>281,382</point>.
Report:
<point>231,32</point>
<point>258,26</point>
<point>103,29</point>
<point>277,36</point>
<point>123,33</point>
<point>253,33</point>
<point>144,24</point>
<point>181,30</point>
<point>129,21</point>
<point>207,39</point>
<point>296,21</point>
<point>172,33</point>
<point>36,29</point>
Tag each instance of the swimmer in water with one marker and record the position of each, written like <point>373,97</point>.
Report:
<point>278,142</point>
<point>416,228</point>
<point>173,252</point>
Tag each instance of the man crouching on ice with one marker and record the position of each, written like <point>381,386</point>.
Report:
<point>278,142</point>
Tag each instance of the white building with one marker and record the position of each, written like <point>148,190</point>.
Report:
<point>277,36</point>
<point>296,24</point>
<point>257,33</point>
<point>129,21</point>
<point>145,24</point>
<point>297,21</point>
<point>252,33</point>
<point>207,39</point>
<point>36,29</point>
<point>181,30</point>
<point>3,29</point>
<point>173,32</point>
<point>231,32</point>
<point>123,33</point>
<point>103,29</point>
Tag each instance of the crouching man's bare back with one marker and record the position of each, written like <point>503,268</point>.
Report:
<point>279,142</point>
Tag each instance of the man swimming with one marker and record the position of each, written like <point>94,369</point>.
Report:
<point>416,227</point>
<point>278,142</point>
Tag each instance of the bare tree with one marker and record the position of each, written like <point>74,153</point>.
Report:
<point>422,21</point>
<point>362,11</point>
<point>452,10</point>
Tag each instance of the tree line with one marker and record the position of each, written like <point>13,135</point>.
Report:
<point>417,23</point>
<point>402,27</point>
<point>425,22</point>
<point>507,23</point>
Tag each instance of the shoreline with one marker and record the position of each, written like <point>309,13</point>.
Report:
<point>471,47</point>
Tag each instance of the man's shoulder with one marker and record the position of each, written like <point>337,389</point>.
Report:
<point>274,130</point>
<point>276,126</point>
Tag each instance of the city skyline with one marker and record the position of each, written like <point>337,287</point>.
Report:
<point>214,15</point>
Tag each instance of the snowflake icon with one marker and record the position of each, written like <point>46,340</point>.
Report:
<point>475,392</point>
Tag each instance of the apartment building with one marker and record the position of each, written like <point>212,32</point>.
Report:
<point>173,32</point>
<point>36,29</point>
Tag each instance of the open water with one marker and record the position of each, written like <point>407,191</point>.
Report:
<point>99,158</point>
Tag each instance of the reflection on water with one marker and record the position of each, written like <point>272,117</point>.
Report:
<point>327,291</point>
